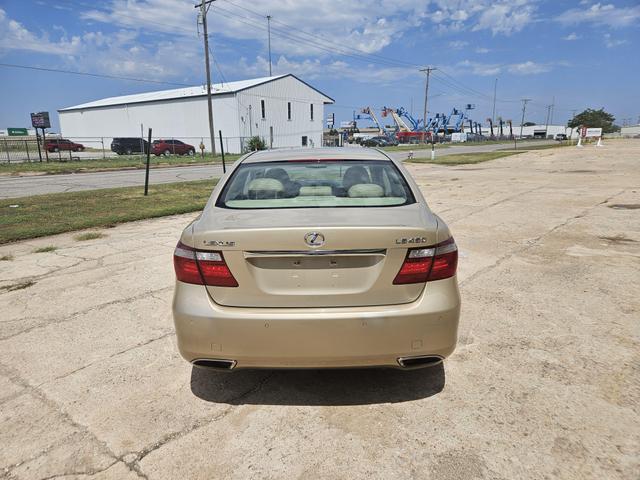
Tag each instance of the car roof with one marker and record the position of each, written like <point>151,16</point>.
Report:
<point>324,153</point>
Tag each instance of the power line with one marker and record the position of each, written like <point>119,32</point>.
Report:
<point>88,74</point>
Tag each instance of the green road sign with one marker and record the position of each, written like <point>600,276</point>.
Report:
<point>17,132</point>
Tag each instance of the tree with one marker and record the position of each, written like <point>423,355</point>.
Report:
<point>594,119</point>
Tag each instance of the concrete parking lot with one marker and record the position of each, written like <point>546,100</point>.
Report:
<point>545,382</point>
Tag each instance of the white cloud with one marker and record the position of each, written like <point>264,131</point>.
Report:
<point>458,44</point>
<point>312,69</point>
<point>506,18</point>
<point>491,69</point>
<point>117,53</point>
<point>14,36</point>
<point>482,50</point>
<point>528,68</point>
<point>572,36</point>
<point>602,14</point>
<point>503,17</point>
<point>611,42</point>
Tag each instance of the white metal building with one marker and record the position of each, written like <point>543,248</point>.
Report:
<point>283,110</point>
<point>630,131</point>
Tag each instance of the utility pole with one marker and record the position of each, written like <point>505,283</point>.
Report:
<point>546,125</point>
<point>428,71</point>
<point>495,89</point>
<point>553,107</point>
<point>204,8</point>
<point>269,30</point>
<point>524,109</point>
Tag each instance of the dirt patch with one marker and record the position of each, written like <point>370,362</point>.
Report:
<point>618,239</point>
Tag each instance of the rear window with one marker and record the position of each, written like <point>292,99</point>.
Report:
<point>316,184</point>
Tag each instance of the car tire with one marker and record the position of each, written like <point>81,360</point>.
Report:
<point>167,152</point>
<point>128,151</point>
<point>191,152</point>
<point>56,150</point>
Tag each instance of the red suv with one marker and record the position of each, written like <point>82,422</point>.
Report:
<point>168,147</point>
<point>57,144</point>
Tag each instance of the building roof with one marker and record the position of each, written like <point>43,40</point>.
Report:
<point>188,92</point>
<point>322,153</point>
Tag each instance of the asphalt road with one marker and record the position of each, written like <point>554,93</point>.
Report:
<point>23,186</point>
<point>544,383</point>
<point>14,187</point>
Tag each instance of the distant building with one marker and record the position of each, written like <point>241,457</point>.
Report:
<point>531,131</point>
<point>283,110</point>
<point>630,131</point>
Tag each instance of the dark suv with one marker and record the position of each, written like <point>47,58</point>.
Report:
<point>175,147</point>
<point>127,146</point>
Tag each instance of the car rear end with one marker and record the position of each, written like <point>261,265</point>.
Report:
<point>316,262</point>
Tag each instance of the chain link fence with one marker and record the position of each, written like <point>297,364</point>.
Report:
<point>64,149</point>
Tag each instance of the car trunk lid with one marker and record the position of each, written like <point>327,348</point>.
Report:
<point>340,258</point>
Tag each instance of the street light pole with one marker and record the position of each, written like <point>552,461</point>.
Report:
<point>524,108</point>
<point>269,30</point>
<point>204,7</point>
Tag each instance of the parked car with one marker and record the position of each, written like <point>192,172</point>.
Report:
<point>561,136</point>
<point>172,147</point>
<point>58,144</point>
<point>378,142</point>
<point>316,258</point>
<point>129,145</point>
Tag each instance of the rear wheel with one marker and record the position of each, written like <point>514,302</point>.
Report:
<point>128,151</point>
<point>191,152</point>
<point>56,149</point>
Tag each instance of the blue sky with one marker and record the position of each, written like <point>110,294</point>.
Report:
<point>583,53</point>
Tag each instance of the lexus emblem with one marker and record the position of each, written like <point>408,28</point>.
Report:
<point>314,239</point>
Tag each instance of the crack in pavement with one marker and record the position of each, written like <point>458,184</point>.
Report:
<point>15,377</point>
<point>203,422</point>
<point>109,357</point>
<point>61,320</point>
<point>531,243</point>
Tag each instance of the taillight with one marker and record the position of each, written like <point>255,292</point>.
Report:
<point>429,263</point>
<point>202,267</point>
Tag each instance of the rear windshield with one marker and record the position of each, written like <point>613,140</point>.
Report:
<point>308,184</point>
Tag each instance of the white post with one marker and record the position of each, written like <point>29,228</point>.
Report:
<point>599,144</point>
<point>433,151</point>
<point>579,141</point>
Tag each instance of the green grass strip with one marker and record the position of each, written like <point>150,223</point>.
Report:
<point>43,215</point>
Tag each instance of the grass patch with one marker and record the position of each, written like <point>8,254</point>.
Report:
<point>88,236</point>
<point>464,158</point>
<point>48,248</point>
<point>43,215</point>
<point>418,146</point>
<point>6,258</point>
<point>114,163</point>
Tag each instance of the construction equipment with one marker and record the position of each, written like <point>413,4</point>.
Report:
<point>368,112</point>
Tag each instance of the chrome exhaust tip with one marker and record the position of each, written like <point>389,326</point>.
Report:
<point>419,361</point>
<point>215,363</point>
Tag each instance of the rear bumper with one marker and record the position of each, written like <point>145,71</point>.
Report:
<point>317,337</point>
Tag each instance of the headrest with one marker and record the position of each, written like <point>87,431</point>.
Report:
<point>366,190</point>
<point>316,191</point>
<point>262,184</point>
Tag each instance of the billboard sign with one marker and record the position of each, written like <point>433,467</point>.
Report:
<point>40,120</point>
<point>591,132</point>
<point>17,132</point>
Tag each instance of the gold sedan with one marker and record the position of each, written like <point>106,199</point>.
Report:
<point>316,258</point>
